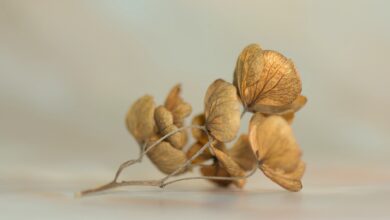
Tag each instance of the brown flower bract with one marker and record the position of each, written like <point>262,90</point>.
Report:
<point>164,122</point>
<point>216,170</point>
<point>206,155</point>
<point>242,153</point>
<point>230,166</point>
<point>165,157</point>
<point>265,80</point>
<point>222,111</point>
<point>140,119</point>
<point>177,106</point>
<point>275,147</point>
<point>197,133</point>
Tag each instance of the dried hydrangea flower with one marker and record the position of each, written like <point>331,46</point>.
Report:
<point>234,170</point>
<point>288,112</point>
<point>164,122</point>
<point>140,119</point>
<point>198,134</point>
<point>295,106</point>
<point>274,145</point>
<point>267,84</point>
<point>205,155</point>
<point>266,80</point>
<point>242,153</point>
<point>216,170</point>
<point>201,138</point>
<point>194,148</point>
<point>177,106</point>
<point>165,157</point>
<point>222,111</point>
<point>223,166</point>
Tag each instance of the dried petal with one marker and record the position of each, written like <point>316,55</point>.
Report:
<point>281,110</point>
<point>247,74</point>
<point>265,79</point>
<point>205,156</point>
<point>140,120</point>
<point>242,153</point>
<point>216,170</point>
<point>167,158</point>
<point>230,166</point>
<point>179,139</point>
<point>164,122</point>
<point>222,111</point>
<point>163,118</point>
<point>289,117</point>
<point>290,181</point>
<point>199,134</point>
<point>275,147</point>
<point>179,108</point>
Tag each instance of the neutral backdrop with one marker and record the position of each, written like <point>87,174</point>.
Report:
<point>69,70</point>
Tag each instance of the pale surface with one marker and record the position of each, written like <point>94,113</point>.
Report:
<point>69,70</point>
<point>323,197</point>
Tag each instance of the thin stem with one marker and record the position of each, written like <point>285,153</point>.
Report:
<point>253,171</point>
<point>188,162</point>
<point>130,162</point>
<point>115,183</point>
<point>109,185</point>
<point>144,151</point>
<point>172,133</point>
<point>160,183</point>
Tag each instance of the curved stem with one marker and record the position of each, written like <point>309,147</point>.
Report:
<point>115,183</point>
<point>253,171</point>
<point>188,162</point>
<point>145,151</point>
<point>129,163</point>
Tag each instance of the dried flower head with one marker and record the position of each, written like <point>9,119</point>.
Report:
<point>199,134</point>
<point>164,122</point>
<point>267,84</point>
<point>222,111</point>
<point>165,157</point>
<point>231,167</point>
<point>242,153</point>
<point>266,80</point>
<point>222,166</point>
<point>140,119</point>
<point>206,155</point>
<point>177,106</point>
<point>288,111</point>
<point>216,170</point>
<point>274,145</point>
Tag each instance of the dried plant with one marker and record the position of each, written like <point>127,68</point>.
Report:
<point>276,149</point>
<point>177,106</point>
<point>267,84</point>
<point>222,111</point>
<point>140,119</point>
<point>241,152</point>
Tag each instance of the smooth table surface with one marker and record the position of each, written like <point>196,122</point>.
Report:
<point>327,194</point>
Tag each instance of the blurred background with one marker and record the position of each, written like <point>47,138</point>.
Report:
<point>69,70</point>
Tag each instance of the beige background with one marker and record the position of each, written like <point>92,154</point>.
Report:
<point>69,70</point>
